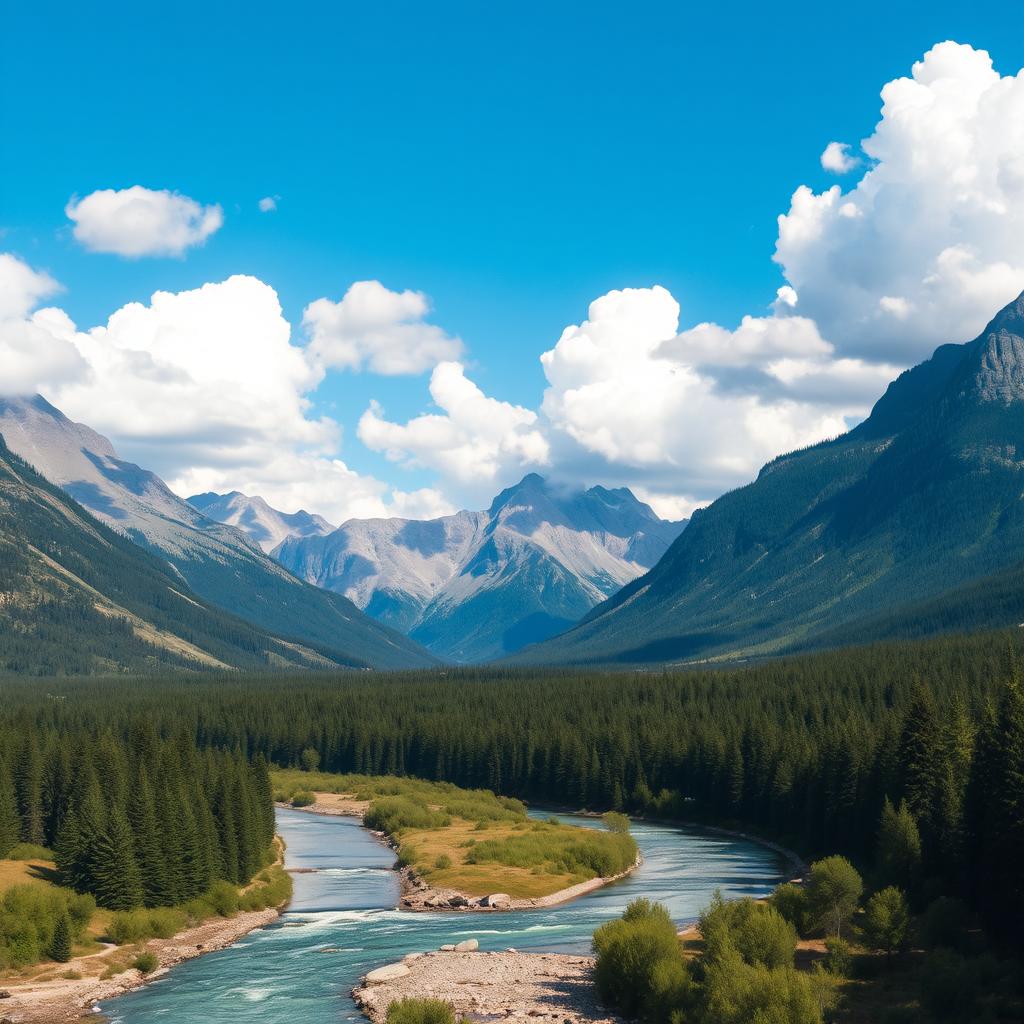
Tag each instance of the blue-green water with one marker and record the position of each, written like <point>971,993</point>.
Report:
<point>341,923</point>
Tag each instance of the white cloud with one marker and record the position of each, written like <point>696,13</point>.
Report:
<point>268,204</point>
<point>203,386</point>
<point>32,352</point>
<point>929,242</point>
<point>137,221</point>
<point>375,328</point>
<point>475,440</point>
<point>838,159</point>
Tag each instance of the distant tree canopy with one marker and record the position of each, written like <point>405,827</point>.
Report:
<point>805,749</point>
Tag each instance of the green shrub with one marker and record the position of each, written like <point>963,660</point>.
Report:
<point>223,899</point>
<point>615,822</point>
<point>30,916</point>
<point>791,902</point>
<point>390,814</point>
<point>757,931</point>
<point>630,955</point>
<point>420,1011</point>
<point>128,926</point>
<point>30,851</point>
<point>834,889</point>
<point>303,798</point>
<point>443,862</point>
<point>887,920</point>
<point>838,959</point>
<point>146,962</point>
<point>310,759</point>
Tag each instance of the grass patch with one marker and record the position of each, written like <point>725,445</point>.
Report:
<point>472,840</point>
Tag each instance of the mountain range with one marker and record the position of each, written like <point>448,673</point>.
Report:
<point>77,598</point>
<point>253,516</point>
<point>475,585</point>
<point>218,563</point>
<point>912,522</point>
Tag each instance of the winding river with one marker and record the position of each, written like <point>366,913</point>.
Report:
<point>341,923</point>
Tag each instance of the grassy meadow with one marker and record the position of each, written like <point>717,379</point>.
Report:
<point>470,840</point>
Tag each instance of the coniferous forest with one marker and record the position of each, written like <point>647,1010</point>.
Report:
<point>819,752</point>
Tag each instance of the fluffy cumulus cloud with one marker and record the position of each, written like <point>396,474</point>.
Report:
<point>377,329</point>
<point>838,159</point>
<point>929,242</point>
<point>474,440</point>
<point>32,352</point>
<point>204,387</point>
<point>268,204</point>
<point>134,222</point>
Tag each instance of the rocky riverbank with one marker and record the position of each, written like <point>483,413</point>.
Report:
<point>60,999</point>
<point>512,985</point>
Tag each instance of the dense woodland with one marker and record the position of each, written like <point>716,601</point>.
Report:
<point>807,750</point>
<point>134,817</point>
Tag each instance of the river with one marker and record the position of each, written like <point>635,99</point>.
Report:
<point>342,923</point>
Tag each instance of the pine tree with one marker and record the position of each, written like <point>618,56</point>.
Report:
<point>28,783</point>
<point>10,823</point>
<point>1006,837</point>
<point>145,833</point>
<point>60,946</point>
<point>116,882</point>
<point>898,849</point>
<point>924,763</point>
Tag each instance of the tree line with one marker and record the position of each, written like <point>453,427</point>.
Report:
<point>810,750</point>
<point>135,817</point>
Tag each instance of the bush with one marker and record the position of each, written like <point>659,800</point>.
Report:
<point>887,920</point>
<point>947,987</point>
<point>390,814</point>
<point>30,917</point>
<point>615,822</point>
<point>310,758</point>
<point>834,889</point>
<point>791,902</point>
<point>631,956</point>
<point>30,851</point>
<point>128,926</point>
<point>443,862</point>
<point>838,959</point>
<point>757,931</point>
<point>420,1011</point>
<point>223,899</point>
<point>303,798</point>
<point>146,962</point>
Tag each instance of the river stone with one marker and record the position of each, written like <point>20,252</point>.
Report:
<point>392,972</point>
<point>448,948</point>
<point>496,899</point>
<point>468,946</point>
<point>458,901</point>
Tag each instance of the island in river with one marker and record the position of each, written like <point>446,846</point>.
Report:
<point>469,850</point>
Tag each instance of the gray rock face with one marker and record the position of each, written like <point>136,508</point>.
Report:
<point>478,585</point>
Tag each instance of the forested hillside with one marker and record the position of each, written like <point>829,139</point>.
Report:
<point>849,539</point>
<point>78,598</point>
<point>806,749</point>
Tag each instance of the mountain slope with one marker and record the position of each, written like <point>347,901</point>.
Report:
<point>218,562</point>
<point>921,500</point>
<point>254,517</point>
<point>477,585</point>
<point>76,597</point>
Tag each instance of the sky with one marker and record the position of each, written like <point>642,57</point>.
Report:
<point>386,259</point>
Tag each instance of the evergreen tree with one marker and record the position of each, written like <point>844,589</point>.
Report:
<point>60,946</point>
<point>145,834</point>
<point>898,851</point>
<point>28,783</point>
<point>10,823</point>
<point>115,880</point>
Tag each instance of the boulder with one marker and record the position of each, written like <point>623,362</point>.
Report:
<point>448,948</point>
<point>497,900</point>
<point>458,901</point>
<point>467,946</point>
<point>392,972</point>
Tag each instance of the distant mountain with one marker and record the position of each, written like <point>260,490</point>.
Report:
<point>79,598</point>
<point>219,563</point>
<point>477,585</point>
<point>913,522</point>
<point>255,517</point>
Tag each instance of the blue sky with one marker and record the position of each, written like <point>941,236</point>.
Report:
<point>513,162</point>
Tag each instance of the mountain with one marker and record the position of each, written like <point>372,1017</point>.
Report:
<point>218,562</point>
<point>478,585</point>
<point>253,516</point>
<point>910,523</point>
<point>77,598</point>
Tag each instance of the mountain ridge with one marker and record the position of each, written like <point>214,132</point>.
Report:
<point>219,563</point>
<point>919,500</point>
